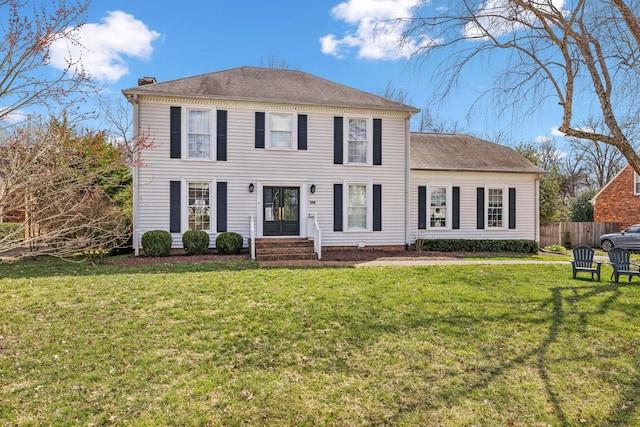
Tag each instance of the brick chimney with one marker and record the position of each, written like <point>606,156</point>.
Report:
<point>146,81</point>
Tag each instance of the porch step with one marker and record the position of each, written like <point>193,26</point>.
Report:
<point>284,249</point>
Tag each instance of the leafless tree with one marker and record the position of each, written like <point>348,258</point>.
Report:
<point>28,30</point>
<point>578,53</point>
<point>427,122</point>
<point>273,61</point>
<point>114,115</point>
<point>398,94</point>
<point>60,190</point>
<point>601,162</point>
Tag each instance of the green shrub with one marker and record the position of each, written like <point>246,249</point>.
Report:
<point>228,243</point>
<point>156,243</point>
<point>8,228</point>
<point>464,245</point>
<point>195,242</point>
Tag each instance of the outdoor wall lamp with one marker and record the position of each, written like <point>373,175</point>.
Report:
<point>251,187</point>
<point>313,188</point>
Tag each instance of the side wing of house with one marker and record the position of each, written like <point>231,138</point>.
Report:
<point>214,165</point>
<point>619,200</point>
<point>473,205</point>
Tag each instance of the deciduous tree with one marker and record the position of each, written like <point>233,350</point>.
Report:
<point>27,31</point>
<point>580,53</point>
<point>67,190</point>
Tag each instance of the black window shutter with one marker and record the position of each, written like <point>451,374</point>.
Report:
<point>422,207</point>
<point>259,129</point>
<point>221,206</point>
<point>480,208</point>
<point>455,209</point>
<point>302,131</point>
<point>512,208</point>
<point>377,207</point>
<point>377,141</point>
<point>338,135</point>
<point>174,206</point>
<point>337,207</point>
<point>221,124</point>
<point>175,132</point>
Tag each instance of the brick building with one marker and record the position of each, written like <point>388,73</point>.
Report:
<point>619,200</point>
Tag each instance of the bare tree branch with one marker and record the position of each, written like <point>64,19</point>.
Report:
<point>28,32</point>
<point>579,53</point>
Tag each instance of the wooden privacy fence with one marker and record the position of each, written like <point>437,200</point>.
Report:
<point>572,234</point>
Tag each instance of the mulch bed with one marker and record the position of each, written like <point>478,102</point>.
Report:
<point>332,255</point>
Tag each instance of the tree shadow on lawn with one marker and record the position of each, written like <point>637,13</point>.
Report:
<point>563,302</point>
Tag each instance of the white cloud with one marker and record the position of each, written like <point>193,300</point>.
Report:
<point>9,117</point>
<point>377,35</point>
<point>554,132</point>
<point>102,48</point>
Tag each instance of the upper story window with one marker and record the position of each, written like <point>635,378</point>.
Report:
<point>636,182</point>
<point>438,204</point>
<point>198,134</point>
<point>358,144</point>
<point>281,131</point>
<point>495,208</point>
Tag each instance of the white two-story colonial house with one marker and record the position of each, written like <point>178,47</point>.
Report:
<point>272,153</point>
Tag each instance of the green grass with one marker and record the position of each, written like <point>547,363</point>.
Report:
<point>233,344</point>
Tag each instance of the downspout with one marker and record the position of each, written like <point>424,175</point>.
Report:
<point>536,220</point>
<point>407,181</point>
<point>136,174</point>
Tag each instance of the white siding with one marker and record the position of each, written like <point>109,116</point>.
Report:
<point>246,164</point>
<point>526,204</point>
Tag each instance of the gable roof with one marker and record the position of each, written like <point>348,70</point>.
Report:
<point>453,152</point>
<point>269,85</point>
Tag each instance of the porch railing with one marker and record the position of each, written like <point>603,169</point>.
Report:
<point>317,235</point>
<point>252,240</point>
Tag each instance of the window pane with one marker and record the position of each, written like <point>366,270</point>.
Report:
<point>357,152</point>
<point>281,125</point>
<point>357,214</point>
<point>199,206</point>
<point>494,214</point>
<point>199,133</point>
<point>357,144</point>
<point>438,207</point>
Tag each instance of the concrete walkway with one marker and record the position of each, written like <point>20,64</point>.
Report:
<point>410,262</point>
<point>403,262</point>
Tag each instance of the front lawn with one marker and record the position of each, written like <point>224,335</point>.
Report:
<point>233,344</point>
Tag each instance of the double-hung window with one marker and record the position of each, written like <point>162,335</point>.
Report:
<point>636,183</point>
<point>358,146</point>
<point>357,207</point>
<point>495,208</point>
<point>199,206</point>
<point>438,212</point>
<point>198,133</point>
<point>281,131</point>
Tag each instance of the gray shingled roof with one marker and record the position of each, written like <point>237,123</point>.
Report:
<point>269,85</point>
<point>433,151</point>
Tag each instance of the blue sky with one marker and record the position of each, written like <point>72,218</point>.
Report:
<point>328,38</point>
